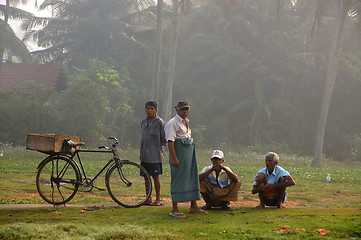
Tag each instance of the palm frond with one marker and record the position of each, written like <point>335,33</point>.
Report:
<point>9,40</point>
<point>15,13</point>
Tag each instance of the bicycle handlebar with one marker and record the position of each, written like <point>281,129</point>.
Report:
<point>114,144</point>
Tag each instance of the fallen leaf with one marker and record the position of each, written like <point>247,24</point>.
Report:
<point>56,212</point>
<point>322,232</point>
<point>286,227</point>
<point>82,211</point>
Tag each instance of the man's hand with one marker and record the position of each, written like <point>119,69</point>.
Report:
<point>268,187</point>
<point>175,162</point>
<point>217,167</point>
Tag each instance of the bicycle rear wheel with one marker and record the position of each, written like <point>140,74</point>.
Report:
<point>129,185</point>
<point>57,180</point>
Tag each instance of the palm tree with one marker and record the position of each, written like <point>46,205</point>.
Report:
<point>171,62</point>
<point>158,51</point>
<point>265,112</point>
<point>82,30</point>
<point>343,9</point>
<point>185,5</point>
<point>8,39</point>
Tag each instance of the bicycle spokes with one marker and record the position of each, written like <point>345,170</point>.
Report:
<point>57,180</point>
<point>127,186</point>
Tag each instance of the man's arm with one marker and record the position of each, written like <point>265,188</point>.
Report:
<point>260,183</point>
<point>285,182</point>
<point>175,162</point>
<point>204,175</point>
<point>230,174</point>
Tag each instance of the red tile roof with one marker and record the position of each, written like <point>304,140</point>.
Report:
<point>14,76</point>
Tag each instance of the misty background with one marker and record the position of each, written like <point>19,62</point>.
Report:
<point>256,73</point>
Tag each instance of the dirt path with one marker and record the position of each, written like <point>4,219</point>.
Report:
<point>166,202</point>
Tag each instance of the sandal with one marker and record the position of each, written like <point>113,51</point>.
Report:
<point>177,215</point>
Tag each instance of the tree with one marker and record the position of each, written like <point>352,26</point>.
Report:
<point>158,50</point>
<point>82,30</point>
<point>8,39</point>
<point>333,57</point>
<point>167,109</point>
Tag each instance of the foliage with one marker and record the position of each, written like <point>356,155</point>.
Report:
<point>95,104</point>
<point>249,69</point>
<point>8,40</point>
<point>74,35</point>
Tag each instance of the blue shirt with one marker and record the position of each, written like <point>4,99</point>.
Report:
<point>153,140</point>
<point>278,172</point>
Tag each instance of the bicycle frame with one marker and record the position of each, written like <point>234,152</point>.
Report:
<point>82,171</point>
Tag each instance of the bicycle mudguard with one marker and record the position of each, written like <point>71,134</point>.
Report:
<point>60,155</point>
<point>111,165</point>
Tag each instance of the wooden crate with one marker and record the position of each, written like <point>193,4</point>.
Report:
<point>48,143</point>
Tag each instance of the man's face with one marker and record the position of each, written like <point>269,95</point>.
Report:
<point>216,160</point>
<point>150,111</point>
<point>183,112</point>
<point>270,164</point>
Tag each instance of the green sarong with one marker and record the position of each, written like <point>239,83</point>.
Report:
<point>184,185</point>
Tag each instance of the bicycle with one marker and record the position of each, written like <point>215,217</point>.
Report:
<point>60,176</point>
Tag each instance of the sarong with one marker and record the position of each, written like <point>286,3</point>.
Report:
<point>184,184</point>
<point>217,194</point>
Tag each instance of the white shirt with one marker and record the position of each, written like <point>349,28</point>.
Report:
<point>176,129</point>
<point>223,179</point>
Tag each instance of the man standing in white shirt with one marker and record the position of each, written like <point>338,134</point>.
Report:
<point>183,162</point>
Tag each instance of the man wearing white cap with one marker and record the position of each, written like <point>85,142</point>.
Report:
<point>218,184</point>
<point>271,182</point>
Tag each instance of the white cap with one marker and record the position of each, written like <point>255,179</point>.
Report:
<point>217,154</point>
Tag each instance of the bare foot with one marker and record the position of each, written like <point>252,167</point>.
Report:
<point>195,209</point>
<point>281,206</point>
<point>260,206</point>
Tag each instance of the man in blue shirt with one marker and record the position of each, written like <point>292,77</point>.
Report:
<point>271,183</point>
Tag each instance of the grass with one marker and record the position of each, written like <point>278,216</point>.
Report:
<point>154,223</point>
<point>313,204</point>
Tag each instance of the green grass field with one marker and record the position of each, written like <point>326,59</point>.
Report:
<point>313,204</point>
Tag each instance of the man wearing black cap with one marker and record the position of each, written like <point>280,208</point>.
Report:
<point>183,162</point>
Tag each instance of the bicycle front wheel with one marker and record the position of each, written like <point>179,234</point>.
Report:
<point>129,185</point>
<point>57,180</point>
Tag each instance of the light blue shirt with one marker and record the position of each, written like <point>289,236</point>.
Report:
<point>278,172</point>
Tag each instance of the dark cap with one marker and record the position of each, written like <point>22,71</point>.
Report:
<point>182,104</point>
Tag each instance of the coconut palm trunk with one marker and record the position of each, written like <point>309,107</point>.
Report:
<point>333,58</point>
<point>158,51</point>
<point>171,64</point>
